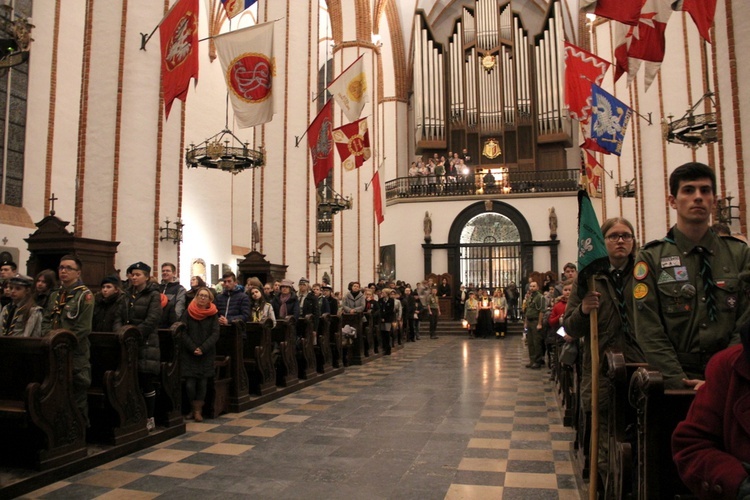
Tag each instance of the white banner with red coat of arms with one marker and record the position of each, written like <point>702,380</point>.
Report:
<point>246,57</point>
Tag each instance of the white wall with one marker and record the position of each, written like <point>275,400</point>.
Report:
<point>405,231</point>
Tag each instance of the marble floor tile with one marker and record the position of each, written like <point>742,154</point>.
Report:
<point>450,418</point>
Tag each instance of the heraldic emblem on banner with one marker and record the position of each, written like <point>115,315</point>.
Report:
<point>353,144</point>
<point>492,149</point>
<point>181,42</point>
<point>249,76</point>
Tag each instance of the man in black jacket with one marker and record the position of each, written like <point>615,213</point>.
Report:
<point>308,303</point>
<point>232,303</point>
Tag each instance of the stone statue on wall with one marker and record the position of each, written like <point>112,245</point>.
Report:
<point>427,225</point>
<point>552,224</point>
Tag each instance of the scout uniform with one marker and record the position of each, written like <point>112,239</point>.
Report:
<point>534,337</point>
<point>73,309</point>
<point>690,301</point>
<point>17,322</point>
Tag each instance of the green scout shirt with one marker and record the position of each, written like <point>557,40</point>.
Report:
<point>671,317</point>
<point>71,308</point>
<point>535,306</point>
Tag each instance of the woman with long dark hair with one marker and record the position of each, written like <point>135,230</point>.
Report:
<point>260,308</point>
<point>196,282</point>
<point>46,281</point>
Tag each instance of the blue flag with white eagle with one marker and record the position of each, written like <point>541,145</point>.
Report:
<point>609,120</point>
<point>592,251</point>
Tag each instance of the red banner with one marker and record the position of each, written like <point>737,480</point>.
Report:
<point>625,11</point>
<point>320,142</point>
<point>179,51</point>
<point>377,195</point>
<point>582,68</point>
<point>353,144</point>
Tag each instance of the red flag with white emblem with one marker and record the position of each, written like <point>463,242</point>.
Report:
<point>582,68</point>
<point>648,42</point>
<point>353,144</point>
<point>246,57</point>
<point>178,33</point>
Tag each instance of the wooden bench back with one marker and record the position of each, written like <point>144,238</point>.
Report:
<point>113,351</point>
<point>659,412</point>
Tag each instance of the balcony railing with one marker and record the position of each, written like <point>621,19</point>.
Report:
<point>539,181</point>
<point>325,224</point>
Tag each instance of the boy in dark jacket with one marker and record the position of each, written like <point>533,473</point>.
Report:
<point>232,303</point>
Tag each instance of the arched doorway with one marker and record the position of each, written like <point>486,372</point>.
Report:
<point>490,245</point>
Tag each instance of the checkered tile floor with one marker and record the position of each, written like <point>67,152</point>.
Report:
<point>441,419</point>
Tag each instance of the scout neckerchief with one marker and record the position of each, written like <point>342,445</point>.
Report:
<point>10,318</point>
<point>709,285</point>
<point>63,297</point>
<point>707,277</point>
<point>617,277</point>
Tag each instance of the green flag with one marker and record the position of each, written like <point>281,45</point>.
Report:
<point>592,252</point>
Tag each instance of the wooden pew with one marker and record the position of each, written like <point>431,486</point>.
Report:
<point>354,352</point>
<point>40,425</point>
<point>231,343</point>
<point>370,335</point>
<point>169,397</point>
<point>659,411</point>
<point>258,358</point>
<point>217,394</point>
<point>323,355</point>
<point>117,411</point>
<point>622,421</point>
<point>284,337</point>
<point>305,350</point>
<point>334,335</point>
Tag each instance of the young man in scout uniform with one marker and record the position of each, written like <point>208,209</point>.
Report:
<point>72,308</point>
<point>533,323</point>
<point>691,288</point>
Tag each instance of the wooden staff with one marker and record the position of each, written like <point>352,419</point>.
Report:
<point>594,450</point>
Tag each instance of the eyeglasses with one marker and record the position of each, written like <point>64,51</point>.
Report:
<point>626,237</point>
<point>66,268</point>
<point>202,296</point>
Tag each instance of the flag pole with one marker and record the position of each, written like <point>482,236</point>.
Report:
<point>594,449</point>
<point>367,184</point>
<point>145,38</point>
<point>298,138</point>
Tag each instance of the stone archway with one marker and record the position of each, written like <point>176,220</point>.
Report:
<point>490,245</point>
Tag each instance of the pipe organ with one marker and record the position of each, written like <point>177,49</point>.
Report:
<point>495,83</point>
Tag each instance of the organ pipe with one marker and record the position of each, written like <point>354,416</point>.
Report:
<point>526,74</point>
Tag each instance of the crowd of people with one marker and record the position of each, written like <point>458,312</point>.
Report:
<point>441,173</point>
<point>680,303</point>
<point>34,307</point>
<point>676,303</point>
